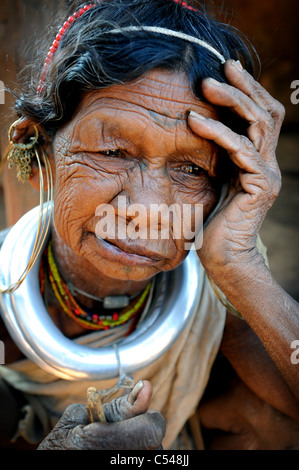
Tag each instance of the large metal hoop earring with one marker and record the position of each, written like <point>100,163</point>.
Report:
<point>20,157</point>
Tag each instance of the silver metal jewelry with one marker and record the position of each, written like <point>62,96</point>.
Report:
<point>175,301</point>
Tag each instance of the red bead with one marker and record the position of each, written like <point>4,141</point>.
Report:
<point>60,34</point>
<point>106,327</point>
<point>77,311</point>
<point>115,316</point>
<point>100,322</point>
<point>95,317</point>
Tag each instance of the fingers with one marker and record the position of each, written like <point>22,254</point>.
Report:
<point>260,129</point>
<point>128,425</point>
<point>222,94</point>
<point>256,177</point>
<point>125,407</point>
<point>251,102</point>
<point>137,402</point>
<point>239,148</point>
<point>142,432</point>
<point>73,415</point>
<point>242,80</point>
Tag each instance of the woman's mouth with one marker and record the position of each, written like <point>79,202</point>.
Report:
<point>127,254</point>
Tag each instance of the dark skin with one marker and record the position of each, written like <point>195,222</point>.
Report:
<point>149,161</point>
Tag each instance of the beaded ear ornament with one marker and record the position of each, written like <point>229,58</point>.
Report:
<point>21,155</point>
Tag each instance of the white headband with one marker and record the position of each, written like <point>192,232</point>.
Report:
<point>175,34</point>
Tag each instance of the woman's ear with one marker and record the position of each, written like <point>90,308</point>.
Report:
<point>21,133</point>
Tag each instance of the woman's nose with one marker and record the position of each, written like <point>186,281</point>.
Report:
<point>146,201</point>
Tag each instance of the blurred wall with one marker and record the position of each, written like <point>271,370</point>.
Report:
<point>273,28</point>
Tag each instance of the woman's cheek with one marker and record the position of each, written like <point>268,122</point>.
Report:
<point>76,200</point>
<point>204,191</point>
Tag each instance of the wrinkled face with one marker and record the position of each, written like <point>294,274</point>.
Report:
<point>132,142</point>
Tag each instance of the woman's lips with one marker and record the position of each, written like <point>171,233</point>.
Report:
<point>127,255</point>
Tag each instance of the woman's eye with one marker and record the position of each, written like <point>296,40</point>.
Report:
<point>111,153</point>
<point>192,169</point>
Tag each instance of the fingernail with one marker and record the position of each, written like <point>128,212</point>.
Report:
<point>238,65</point>
<point>197,116</point>
<point>136,389</point>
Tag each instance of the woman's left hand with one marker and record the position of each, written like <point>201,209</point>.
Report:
<point>129,426</point>
<point>230,237</point>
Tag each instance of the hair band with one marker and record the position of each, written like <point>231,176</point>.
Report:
<point>152,29</point>
<point>170,32</point>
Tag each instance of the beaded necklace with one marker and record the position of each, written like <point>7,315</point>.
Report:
<point>88,320</point>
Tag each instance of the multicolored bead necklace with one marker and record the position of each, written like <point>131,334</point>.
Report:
<point>88,320</point>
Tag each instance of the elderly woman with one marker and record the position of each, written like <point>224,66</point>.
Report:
<point>146,104</point>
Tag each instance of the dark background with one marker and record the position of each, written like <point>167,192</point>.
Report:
<point>271,25</point>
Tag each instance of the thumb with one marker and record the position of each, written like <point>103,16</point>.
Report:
<point>128,406</point>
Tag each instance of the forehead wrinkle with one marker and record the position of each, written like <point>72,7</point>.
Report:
<point>168,93</point>
<point>100,104</point>
<point>147,114</point>
<point>115,126</point>
<point>157,118</point>
<point>118,132</point>
<point>155,101</point>
<point>153,78</point>
<point>152,82</point>
<point>122,132</point>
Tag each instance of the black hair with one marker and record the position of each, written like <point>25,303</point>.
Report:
<point>90,58</point>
